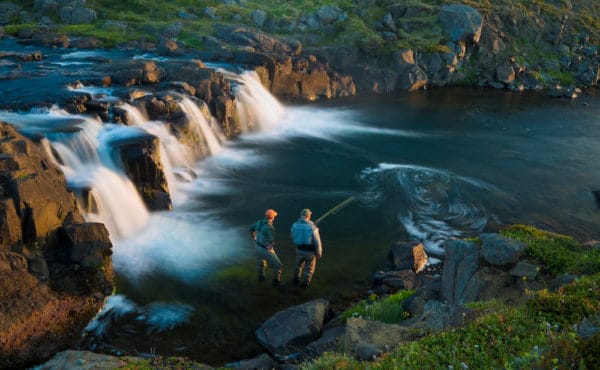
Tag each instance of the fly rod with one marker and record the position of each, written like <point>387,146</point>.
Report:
<point>335,209</point>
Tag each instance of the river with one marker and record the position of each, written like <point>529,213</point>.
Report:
<point>424,166</point>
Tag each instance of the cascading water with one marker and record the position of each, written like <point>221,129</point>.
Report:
<point>204,128</point>
<point>256,108</point>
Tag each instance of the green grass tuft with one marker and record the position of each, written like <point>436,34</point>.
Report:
<point>388,309</point>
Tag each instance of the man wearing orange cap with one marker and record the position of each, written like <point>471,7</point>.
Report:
<point>262,232</point>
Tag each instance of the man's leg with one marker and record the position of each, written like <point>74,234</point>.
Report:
<point>299,266</point>
<point>261,264</point>
<point>276,264</point>
<point>309,269</point>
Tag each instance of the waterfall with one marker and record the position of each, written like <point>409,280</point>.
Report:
<point>202,125</point>
<point>84,160</point>
<point>256,108</point>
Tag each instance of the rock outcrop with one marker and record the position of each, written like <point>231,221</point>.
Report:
<point>55,268</point>
<point>288,331</point>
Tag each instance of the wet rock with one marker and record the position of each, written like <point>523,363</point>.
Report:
<point>505,74</point>
<point>88,243</point>
<point>499,250</point>
<point>140,156</point>
<point>131,73</point>
<point>407,255</point>
<point>461,23</point>
<point>170,47</point>
<point>288,330</point>
<point>411,78</point>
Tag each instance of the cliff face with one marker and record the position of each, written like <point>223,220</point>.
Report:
<point>55,269</point>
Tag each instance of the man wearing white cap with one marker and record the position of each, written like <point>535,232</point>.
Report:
<point>305,234</point>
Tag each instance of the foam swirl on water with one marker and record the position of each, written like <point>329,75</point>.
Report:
<point>433,204</point>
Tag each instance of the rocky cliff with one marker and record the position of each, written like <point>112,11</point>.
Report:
<point>55,268</point>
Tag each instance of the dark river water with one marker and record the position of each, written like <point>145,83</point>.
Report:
<point>425,167</point>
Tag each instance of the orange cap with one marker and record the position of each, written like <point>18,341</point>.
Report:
<point>270,213</point>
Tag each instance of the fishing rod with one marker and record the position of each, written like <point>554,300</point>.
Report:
<point>335,209</point>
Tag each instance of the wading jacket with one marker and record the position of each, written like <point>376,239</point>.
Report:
<point>305,234</point>
<point>263,232</point>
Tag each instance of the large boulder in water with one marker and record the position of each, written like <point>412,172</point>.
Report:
<point>291,329</point>
<point>461,23</point>
<point>140,156</point>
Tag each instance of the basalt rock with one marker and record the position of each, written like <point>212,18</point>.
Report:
<point>140,156</point>
<point>48,291</point>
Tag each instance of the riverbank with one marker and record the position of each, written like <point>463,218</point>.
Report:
<point>384,46</point>
<point>523,297</point>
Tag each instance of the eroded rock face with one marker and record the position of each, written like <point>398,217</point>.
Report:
<point>49,288</point>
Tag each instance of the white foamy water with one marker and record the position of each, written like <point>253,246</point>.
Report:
<point>434,205</point>
<point>157,317</point>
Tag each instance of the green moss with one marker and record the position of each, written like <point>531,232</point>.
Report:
<point>556,253</point>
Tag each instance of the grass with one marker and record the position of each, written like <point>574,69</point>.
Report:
<point>554,252</point>
<point>539,334</point>
<point>388,309</point>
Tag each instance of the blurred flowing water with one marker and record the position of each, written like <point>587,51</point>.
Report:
<point>424,167</point>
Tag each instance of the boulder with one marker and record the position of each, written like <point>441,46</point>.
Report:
<point>460,265</point>
<point>88,244</point>
<point>374,336</point>
<point>77,15</point>
<point>288,330</point>
<point>168,47</point>
<point>140,156</point>
<point>499,250</point>
<point>262,361</point>
<point>505,74</point>
<point>329,14</point>
<point>255,39</point>
<point>406,256</point>
<point>524,269</point>
<point>71,359</point>
<point>439,316</point>
<point>134,72</point>
<point>411,77</point>
<point>258,17</point>
<point>461,23</point>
